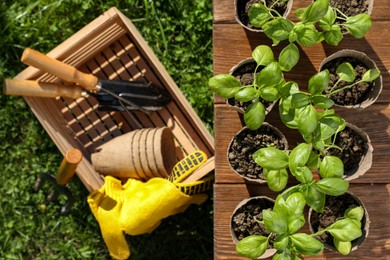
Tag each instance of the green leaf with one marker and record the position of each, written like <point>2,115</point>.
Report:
<point>271,158</point>
<point>283,255</point>
<point>306,244</point>
<point>358,25</point>
<point>252,246</point>
<point>345,230</point>
<point>314,161</point>
<point>329,125</point>
<point>295,223</point>
<point>287,113</point>
<point>331,167</point>
<point>343,247</point>
<point>278,30</point>
<point>277,179</point>
<point>314,198</point>
<point>328,20</point>
<point>281,242</point>
<point>307,120</point>
<point>332,186</point>
<point>302,174</point>
<point>300,12</point>
<point>315,11</point>
<point>299,155</point>
<point>292,208</point>
<point>300,100</point>
<point>307,35</point>
<point>254,115</point>
<point>370,75</point>
<point>269,76</point>
<point>224,85</point>
<point>247,94</point>
<point>285,88</point>
<point>263,55</point>
<point>355,213</point>
<point>270,93</point>
<point>275,222</point>
<point>319,82</point>
<point>346,72</point>
<point>322,102</point>
<point>334,35</point>
<point>289,57</point>
<point>258,15</point>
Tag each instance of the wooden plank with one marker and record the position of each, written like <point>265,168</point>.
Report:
<point>224,10</point>
<point>374,120</point>
<point>225,57</point>
<point>375,197</point>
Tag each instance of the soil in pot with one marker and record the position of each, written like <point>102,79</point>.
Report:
<point>335,207</point>
<point>351,96</point>
<point>243,7</point>
<point>246,76</point>
<point>246,143</point>
<point>353,146</point>
<point>351,8</point>
<point>243,219</point>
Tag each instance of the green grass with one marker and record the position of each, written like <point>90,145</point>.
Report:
<point>179,32</point>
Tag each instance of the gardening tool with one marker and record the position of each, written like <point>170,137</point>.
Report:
<point>64,175</point>
<point>112,94</point>
<point>138,207</point>
<point>142,96</point>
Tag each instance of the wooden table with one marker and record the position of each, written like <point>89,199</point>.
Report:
<point>233,43</point>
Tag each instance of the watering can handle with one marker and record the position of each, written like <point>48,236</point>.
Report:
<point>68,166</point>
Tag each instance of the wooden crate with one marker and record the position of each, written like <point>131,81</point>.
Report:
<point>110,47</point>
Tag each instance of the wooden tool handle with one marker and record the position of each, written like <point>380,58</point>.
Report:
<point>32,88</point>
<point>68,166</point>
<point>59,69</point>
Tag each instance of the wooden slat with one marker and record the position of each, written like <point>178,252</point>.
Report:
<point>242,43</point>
<point>224,10</point>
<point>374,120</point>
<point>375,198</point>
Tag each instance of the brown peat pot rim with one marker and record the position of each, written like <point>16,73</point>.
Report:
<point>269,252</point>
<point>265,124</point>
<point>365,226</point>
<point>242,5</point>
<point>375,91</point>
<point>366,161</point>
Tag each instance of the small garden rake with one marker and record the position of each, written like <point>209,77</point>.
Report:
<point>64,175</point>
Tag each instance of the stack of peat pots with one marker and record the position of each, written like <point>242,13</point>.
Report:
<point>140,154</point>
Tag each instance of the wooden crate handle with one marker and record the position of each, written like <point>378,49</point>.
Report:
<point>60,69</point>
<point>32,88</point>
<point>68,166</point>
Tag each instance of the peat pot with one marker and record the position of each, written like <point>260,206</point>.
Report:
<point>244,72</point>
<point>242,7</point>
<point>335,207</point>
<point>243,224</point>
<point>357,151</point>
<point>246,142</point>
<point>361,95</point>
